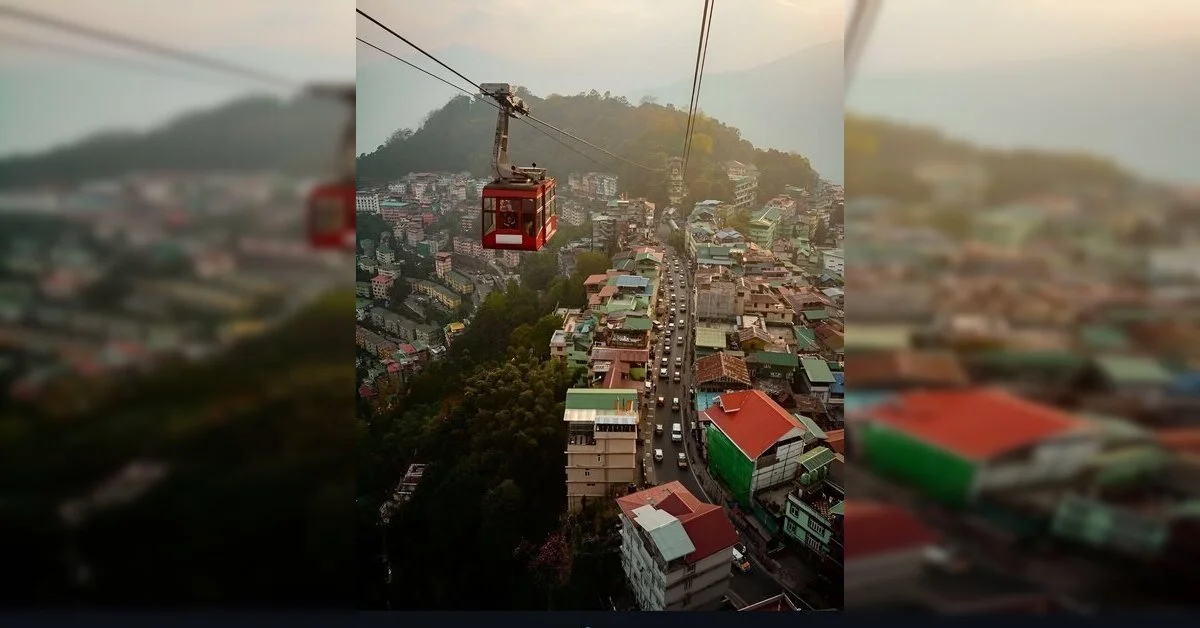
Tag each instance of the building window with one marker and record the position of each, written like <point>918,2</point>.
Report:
<point>793,509</point>
<point>691,569</point>
<point>599,457</point>
<point>816,525</point>
<point>813,544</point>
<point>591,483</point>
<point>587,473</point>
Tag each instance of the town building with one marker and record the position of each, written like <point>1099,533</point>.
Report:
<point>602,432</point>
<point>675,550</point>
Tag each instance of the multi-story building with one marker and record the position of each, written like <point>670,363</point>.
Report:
<point>675,550</point>
<point>834,261</point>
<point>716,298</point>
<point>813,510</point>
<point>415,234</point>
<point>442,264</point>
<point>392,210</point>
<point>676,190</point>
<point>384,254</point>
<point>509,257</point>
<point>381,286</point>
<point>745,184</point>
<point>446,297</point>
<point>604,231</point>
<point>367,202</point>
<point>754,444</point>
<point>602,459</point>
<point>459,282</point>
<point>764,227</point>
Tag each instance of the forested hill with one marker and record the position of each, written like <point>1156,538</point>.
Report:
<point>257,133</point>
<point>459,137</point>
<point>881,158</point>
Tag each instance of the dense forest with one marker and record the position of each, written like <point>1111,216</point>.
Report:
<point>487,517</point>
<point>881,157</point>
<point>459,137</point>
<point>252,134</point>
<point>253,508</point>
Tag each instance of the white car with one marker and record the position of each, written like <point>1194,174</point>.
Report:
<point>676,433</point>
<point>658,455</point>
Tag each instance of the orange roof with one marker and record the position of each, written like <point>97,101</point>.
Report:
<point>978,423</point>
<point>752,420</point>
<point>836,441</point>
<point>595,279</point>
<point>1180,439</point>
<point>706,525</point>
<point>926,368</point>
<point>873,528</point>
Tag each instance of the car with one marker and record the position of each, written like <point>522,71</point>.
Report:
<point>658,430</point>
<point>739,562</point>
<point>682,460</point>
<point>658,455</point>
<point>675,404</point>
<point>665,359</point>
<point>676,433</point>
<point>678,341</point>
<point>682,309</point>
<point>676,377</point>
<point>678,360</point>
<point>661,401</point>
<point>662,373</point>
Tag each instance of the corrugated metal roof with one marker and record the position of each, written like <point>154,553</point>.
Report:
<point>616,419</point>
<point>666,531</point>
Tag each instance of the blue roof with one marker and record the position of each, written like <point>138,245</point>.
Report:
<point>1187,384</point>
<point>706,400</point>
<point>859,399</point>
<point>839,383</point>
<point>632,281</point>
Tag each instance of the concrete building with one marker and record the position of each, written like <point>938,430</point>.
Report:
<point>602,437</point>
<point>675,550</point>
<point>745,184</point>
<point>443,263</point>
<point>716,298</point>
<point>381,286</point>
<point>366,202</point>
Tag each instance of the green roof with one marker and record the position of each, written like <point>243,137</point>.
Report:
<point>815,315</point>
<point>1030,359</point>
<point>1134,370</point>
<point>816,370</point>
<point>838,509</point>
<point>637,323</point>
<point>805,337</point>
<point>775,358</point>
<point>710,338</point>
<point>1104,337</point>
<point>816,458</point>
<point>600,398</point>
<point>878,337</point>
<point>811,426</point>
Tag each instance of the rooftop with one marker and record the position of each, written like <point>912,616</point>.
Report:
<point>705,528</point>
<point>874,528</point>
<point>752,421</point>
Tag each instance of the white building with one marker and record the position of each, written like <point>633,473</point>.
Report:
<point>366,202</point>
<point>834,260</point>
<point>676,550</point>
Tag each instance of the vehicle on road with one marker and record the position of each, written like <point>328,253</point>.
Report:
<point>677,377</point>
<point>678,360</point>
<point>682,460</point>
<point>661,401</point>
<point>675,404</point>
<point>740,562</point>
<point>658,429</point>
<point>665,360</point>
<point>662,373</point>
<point>678,341</point>
<point>658,455</point>
<point>676,433</point>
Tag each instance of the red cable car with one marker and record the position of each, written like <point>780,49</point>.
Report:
<point>331,210</point>
<point>519,208</point>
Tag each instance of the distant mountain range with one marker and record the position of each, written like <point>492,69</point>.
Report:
<point>1136,106</point>
<point>791,104</point>
<point>299,136</point>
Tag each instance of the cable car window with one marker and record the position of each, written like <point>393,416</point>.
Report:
<point>326,215</point>
<point>508,214</point>
<point>529,216</point>
<point>489,215</point>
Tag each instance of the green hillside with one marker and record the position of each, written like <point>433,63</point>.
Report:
<point>881,156</point>
<point>255,504</point>
<point>459,137</point>
<point>258,133</point>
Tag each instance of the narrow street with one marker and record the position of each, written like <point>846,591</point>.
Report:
<point>745,588</point>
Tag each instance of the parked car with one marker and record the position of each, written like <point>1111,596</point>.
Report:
<point>682,460</point>
<point>658,455</point>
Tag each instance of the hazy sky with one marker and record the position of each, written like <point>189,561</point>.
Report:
<point>961,34</point>
<point>48,97</point>
<point>640,43</point>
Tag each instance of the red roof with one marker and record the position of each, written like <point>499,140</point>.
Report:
<point>752,420</point>
<point>873,528</point>
<point>1180,439</point>
<point>706,525</point>
<point>978,424</point>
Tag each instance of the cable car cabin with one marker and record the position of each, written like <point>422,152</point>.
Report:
<point>519,216</point>
<point>331,217</point>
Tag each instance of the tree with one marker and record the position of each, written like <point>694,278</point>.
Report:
<point>821,233</point>
<point>400,291</point>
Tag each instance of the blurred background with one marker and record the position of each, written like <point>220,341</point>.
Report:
<point>176,400</point>
<point>1023,307</point>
